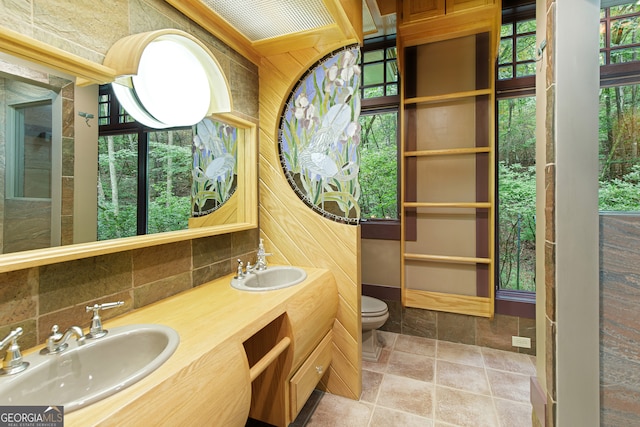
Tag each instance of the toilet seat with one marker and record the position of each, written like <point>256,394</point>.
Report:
<point>372,307</point>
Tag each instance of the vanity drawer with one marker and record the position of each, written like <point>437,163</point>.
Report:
<point>309,374</point>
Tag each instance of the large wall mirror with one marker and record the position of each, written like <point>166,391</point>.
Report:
<point>49,167</point>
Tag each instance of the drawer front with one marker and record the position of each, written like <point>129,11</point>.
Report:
<point>309,374</point>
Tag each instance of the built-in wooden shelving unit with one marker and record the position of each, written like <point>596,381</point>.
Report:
<point>447,151</point>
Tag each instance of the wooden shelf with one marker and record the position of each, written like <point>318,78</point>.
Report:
<point>476,205</point>
<point>451,303</point>
<point>447,96</point>
<point>447,152</point>
<point>446,258</point>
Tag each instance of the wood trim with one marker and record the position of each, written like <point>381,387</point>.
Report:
<point>448,96</point>
<point>447,258</point>
<point>452,303</point>
<point>24,47</point>
<point>447,152</point>
<point>463,205</point>
<point>329,35</point>
<point>39,257</point>
<point>461,24</point>
<point>262,364</point>
<point>298,236</point>
<point>348,17</point>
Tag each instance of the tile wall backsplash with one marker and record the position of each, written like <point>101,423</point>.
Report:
<point>39,297</point>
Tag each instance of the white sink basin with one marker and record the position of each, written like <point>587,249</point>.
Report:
<point>272,278</point>
<point>84,374</point>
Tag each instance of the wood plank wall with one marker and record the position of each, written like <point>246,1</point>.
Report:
<point>296,235</point>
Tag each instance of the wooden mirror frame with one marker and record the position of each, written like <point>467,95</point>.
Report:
<point>87,73</point>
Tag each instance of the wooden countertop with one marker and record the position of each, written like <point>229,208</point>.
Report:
<point>205,317</point>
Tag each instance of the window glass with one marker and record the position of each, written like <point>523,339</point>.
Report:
<point>521,61</point>
<point>528,26</point>
<point>378,165</point>
<point>516,193</point>
<point>373,56</point>
<point>169,180</point>
<point>373,74</point>
<point>619,35</point>
<point>379,73</point>
<point>619,137</point>
<point>117,185</point>
<point>167,183</point>
<point>506,30</point>
<point>104,109</point>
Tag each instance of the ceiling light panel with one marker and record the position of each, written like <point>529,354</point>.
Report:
<point>266,19</point>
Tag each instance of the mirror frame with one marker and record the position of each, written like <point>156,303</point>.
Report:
<point>88,73</point>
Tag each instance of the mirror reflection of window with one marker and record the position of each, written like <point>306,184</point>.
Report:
<point>144,183</point>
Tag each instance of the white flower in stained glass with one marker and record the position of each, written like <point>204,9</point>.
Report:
<point>220,167</point>
<point>314,158</point>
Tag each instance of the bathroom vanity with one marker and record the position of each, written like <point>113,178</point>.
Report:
<point>241,354</point>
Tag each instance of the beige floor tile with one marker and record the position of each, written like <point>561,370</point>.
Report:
<point>381,364</point>
<point>387,339</point>
<point>464,409</point>
<point>407,395</point>
<point>411,365</point>
<point>460,353</point>
<point>333,411</point>
<point>462,377</point>
<point>509,385</point>
<point>384,417</point>
<point>508,361</point>
<point>416,345</point>
<point>513,414</point>
<point>370,385</point>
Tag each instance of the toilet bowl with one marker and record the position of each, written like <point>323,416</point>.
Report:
<point>374,314</point>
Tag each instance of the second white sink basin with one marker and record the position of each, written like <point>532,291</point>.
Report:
<point>272,278</point>
<point>84,374</point>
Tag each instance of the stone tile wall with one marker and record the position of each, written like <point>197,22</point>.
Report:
<point>550,221</point>
<point>39,297</point>
<point>619,320</point>
<point>460,328</point>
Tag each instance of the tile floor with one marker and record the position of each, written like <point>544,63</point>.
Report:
<point>425,382</point>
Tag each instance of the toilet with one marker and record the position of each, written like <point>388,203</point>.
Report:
<point>374,314</point>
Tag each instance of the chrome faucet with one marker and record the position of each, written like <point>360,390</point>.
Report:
<point>261,261</point>
<point>57,342</point>
<point>13,362</point>
<point>239,271</point>
<point>96,330</point>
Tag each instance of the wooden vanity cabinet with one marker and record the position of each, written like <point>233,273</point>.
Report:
<point>305,380</point>
<point>289,356</point>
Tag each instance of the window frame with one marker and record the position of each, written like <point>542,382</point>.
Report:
<point>382,229</point>
<point>619,73</point>
<point>512,302</point>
